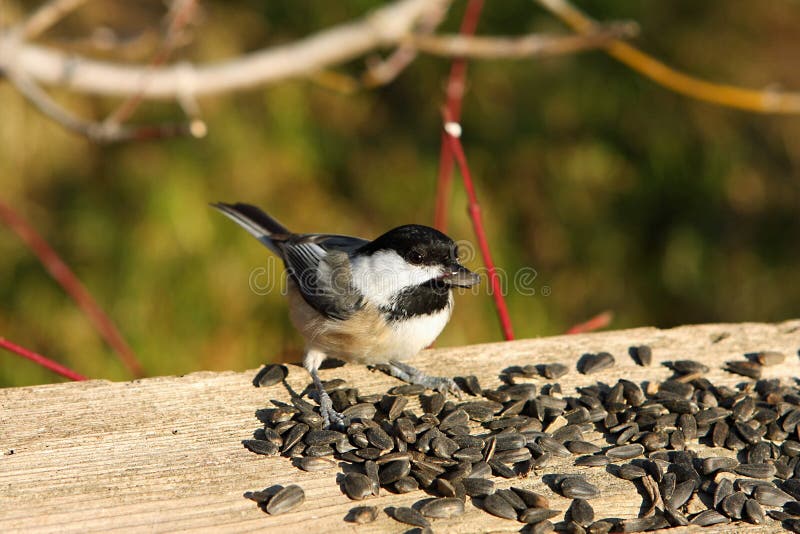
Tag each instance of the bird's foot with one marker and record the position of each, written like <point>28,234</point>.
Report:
<point>412,375</point>
<point>331,418</point>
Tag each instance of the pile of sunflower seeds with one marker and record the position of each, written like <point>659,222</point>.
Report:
<point>453,449</point>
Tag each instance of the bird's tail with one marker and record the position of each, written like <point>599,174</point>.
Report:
<point>256,222</point>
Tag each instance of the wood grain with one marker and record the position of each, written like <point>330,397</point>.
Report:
<point>165,454</point>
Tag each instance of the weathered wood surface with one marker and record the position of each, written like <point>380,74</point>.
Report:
<point>164,454</point>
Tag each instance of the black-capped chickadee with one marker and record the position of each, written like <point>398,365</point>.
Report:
<point>369,302</point>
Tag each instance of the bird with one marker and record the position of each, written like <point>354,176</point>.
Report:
<point>376,302</point>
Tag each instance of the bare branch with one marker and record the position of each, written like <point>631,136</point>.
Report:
<point>725,95</point>
<point>383,27</point>
<point>48,16</point>
<point>532,45</point>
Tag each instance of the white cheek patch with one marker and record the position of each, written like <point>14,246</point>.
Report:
<point>380,276</point>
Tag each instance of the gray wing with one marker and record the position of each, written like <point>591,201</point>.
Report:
<point>320,266</point>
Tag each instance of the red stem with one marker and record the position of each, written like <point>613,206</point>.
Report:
<point>601,320</point>
<point>41,360</point>
<point>455,96</point>
<point>477,223</point>
<point>70,283</point>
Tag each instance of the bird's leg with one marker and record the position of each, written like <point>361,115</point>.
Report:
<point>412,375</point>
<point>331,417</point>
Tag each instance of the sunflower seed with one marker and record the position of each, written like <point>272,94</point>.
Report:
<point>792,524</point>
<point>713,464</point>
<point>454,418</point>
<point>498,506</point>
<point>270,375</point>
<point>379,438</point>
<point>643,524</point>
<point>792,507</point>
<point>444,487</point>
<point>723,490</point>
<point>682,492</point>
<point>595,460</point>
<point>733,505</point>
<point>685,367</point>
<point>362,410</point>
<point>707,518</point>
<point>537,515</point>
<point>285,500</point>
<point>625,452</point>
<point>600,527</point>
<point>443,508</point>
<point>753,512</point>
<point>581,512</point>
<point>688,425</point>
<point>643,355</point>
<point>577,488</point>
<point>631,472</point>
<point>410,516</point>
<point>312,464</point>
<point>362,514</point>
<point>769,496</point>
<point>756,470</point>
<point>357,486</point>
<point>593,363</point>
<point>531,498</point>
<point>258,446</point>
<point>581,447</point>
<point>554,447</point>
<point>554,370</point>
<point>744,368</point>
<point>478,487</point>
<point>472,385</point>
<point>481,470</point>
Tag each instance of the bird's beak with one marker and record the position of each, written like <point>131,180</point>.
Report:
<point>458,275</point>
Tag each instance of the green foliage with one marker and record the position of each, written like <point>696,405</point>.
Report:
<point>620,194</point>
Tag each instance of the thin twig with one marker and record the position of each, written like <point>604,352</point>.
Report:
<point>480,234</point>
<point>454,94</point>
<point>527,46</point>
<point>47,363</point>
<point>70,283</point>
<point>768,101</point>
<point>383,72</point>
<point>601,320</point>
<point>383,27</point>
<point>48,15</point>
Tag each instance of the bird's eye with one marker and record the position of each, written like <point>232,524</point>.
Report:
<point>415,257</point>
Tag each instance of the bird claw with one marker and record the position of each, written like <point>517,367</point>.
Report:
<point>409,374</point>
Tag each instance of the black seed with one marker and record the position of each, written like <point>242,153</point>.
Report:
<point>733,505</point>
<point>472,385</point>
<point>312,464</point>
<point>568,433</point>
<point>581,512</point>
<point>379,438</point>
<point>756,470</point>
<point>642,354</point>
<point>444,487</point>
<point>323,437</point>
<point>744,368</point>
<point>792,524</point>
<point>443,508</point>
<point>710,416</point>
<point>542,527</point>
<point>577,488</point>
<point>596,460</point>
<point>285,500</point>
<point>294,436</point>
<point>362,514</point>
<point>769,496</point>
<point>470,454</point>
<point>554,370</point>
<point>504,442</point>
<point>753,512</point>
<point>406,485</point>
<point>713,464</point>
<point>581,447</point>
<point>443,447</point>
<point>674,516</point>
<point>600,527</point>
<point>531,498</point>
<point>551,445</point>
<point>723,490</point>
<point>270,375</point>
<point>258,446</point>
<point>357,486</point>
<point>685,367</point>
<point>498,506</point>
<point>643,524</point>
<point>792,507</point>
<point>682,493</point>
<point>454,418</point>
<point>667,486</point>
<point>792,487</point>
<point>361,410</point>
<point>536,515</point>
<point>625,452</point>
<point>631,472</point>
<point>478,487</point>
<point>260,497</point>
<point>688,425</point>
<point>707,518</point>
<point>522,454</point>
<point>410,516</point>
<point>481,470</point>
<point>593,363</point>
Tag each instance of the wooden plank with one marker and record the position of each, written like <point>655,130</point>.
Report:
<point>165,454</point>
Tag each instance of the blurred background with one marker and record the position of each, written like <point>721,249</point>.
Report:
<point>620,194</point>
